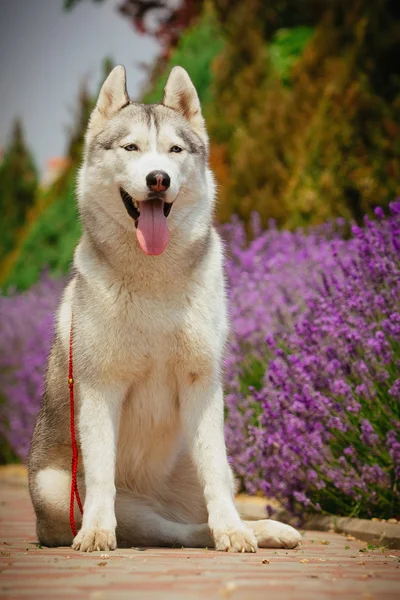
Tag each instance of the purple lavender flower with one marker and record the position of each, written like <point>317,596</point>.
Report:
<point>318,339</point>
<point>312,368</point>
<point>25,337</point>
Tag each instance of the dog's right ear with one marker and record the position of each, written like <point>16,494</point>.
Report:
<point>112,98</point>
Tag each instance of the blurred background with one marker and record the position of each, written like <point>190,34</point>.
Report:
<point>302,102</point>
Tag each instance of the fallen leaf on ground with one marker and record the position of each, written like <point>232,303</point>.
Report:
<point>361,562</point>
<point>102,564</point>
<point>265,561</point>
<point>304,560</point>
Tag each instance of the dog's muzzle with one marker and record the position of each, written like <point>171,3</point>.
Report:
<point>132,207</point>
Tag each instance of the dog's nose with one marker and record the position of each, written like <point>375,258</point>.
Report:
<point>158,181</point>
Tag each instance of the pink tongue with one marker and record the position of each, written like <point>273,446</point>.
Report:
<point>152,230</point>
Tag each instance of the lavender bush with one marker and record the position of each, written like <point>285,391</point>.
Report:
<point>26,324</point>
<point>312,370</point>
<point>313,413</point>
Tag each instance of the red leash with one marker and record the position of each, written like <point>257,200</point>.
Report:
<point>74,469</point>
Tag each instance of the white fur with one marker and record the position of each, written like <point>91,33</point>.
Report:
<point>54,485</point>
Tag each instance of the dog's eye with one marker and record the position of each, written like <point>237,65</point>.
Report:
<point>131,147</point>
<point>176,149</point>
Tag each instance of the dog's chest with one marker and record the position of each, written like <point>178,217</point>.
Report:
<point>157,354</point>
<point>149,434</point>
<point>155,338</point>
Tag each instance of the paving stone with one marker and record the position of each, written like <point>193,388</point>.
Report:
<point>328,566</point>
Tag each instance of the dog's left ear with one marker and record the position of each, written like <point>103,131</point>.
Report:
<point>180,95</point>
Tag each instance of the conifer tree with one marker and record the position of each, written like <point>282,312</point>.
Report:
<point>18,184</point>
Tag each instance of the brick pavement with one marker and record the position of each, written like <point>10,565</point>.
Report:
<point>327,566</point>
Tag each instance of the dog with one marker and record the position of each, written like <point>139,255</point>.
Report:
<point>147,305</point>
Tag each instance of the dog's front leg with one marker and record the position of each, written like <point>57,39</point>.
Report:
<point>98,423</point>
<point>202,418</point>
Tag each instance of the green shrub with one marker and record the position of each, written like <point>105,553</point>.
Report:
<point>18,185</point>
<point>307,123</point>
<point>50,242</point>
<point>286,47</point>
<point>195,52</point>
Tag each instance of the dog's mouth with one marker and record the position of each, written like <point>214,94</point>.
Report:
<point>133,207</point>
<point>150,218</point>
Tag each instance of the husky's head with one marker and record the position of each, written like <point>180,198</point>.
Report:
<point>146,165</point>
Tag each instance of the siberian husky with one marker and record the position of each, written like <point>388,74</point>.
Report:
<point>148,307</point>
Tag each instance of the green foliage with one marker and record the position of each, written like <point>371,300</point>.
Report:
<point>77,132</point>
<point>195,52</point>
<point>306,125</point>
<point>18,183</point>
<point>286,47</point>
<point>7,454</point>
<point>51,240</point>
<point>253,371</point>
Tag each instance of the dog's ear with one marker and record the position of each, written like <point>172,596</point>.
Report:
<point>113,96</point>
<point>180,95</point>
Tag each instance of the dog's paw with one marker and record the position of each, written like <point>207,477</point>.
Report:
<point>238,539</point>
<point>272,534</point>
<point>89,540</point>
